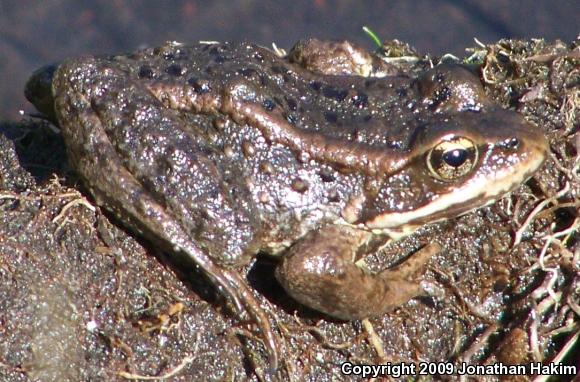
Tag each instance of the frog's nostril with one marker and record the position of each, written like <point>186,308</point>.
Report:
<point>511,143</point>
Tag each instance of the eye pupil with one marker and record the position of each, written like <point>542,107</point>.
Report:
<point>452,159</point>
<point>455,158</point>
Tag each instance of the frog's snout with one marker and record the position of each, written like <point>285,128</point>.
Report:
<point>38,90</point>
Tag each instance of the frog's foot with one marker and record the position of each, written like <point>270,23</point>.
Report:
<point>320,272</point>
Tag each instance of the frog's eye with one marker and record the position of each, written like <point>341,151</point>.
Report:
<point>452,158</point>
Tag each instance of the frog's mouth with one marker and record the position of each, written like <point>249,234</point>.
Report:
<point>479,191</point>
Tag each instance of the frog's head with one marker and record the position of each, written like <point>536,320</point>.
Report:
<point>455,165</point>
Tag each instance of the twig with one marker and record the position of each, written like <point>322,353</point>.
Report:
<point>374,339</point>
<point>186,361</point>
<point>560,356</point>
<point>71,204</point>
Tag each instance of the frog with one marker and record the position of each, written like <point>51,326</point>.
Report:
<point>319,156</point>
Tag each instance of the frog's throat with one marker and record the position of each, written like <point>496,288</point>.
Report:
<point>479,192</point>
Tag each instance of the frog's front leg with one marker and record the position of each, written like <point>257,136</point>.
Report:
<point>320,273</point>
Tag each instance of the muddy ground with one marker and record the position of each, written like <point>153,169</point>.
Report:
<point>83,299</point>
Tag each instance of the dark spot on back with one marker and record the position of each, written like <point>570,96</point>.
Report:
<point>219,59</point>
<point>292,105</point>
<point>367,117</point>
<point>326,175</point>
<point>279,69</point>
<point>330,117</point>
<point>395,145</point>
<point>334,93</point>
<point>268,104</point>
<point>174,70</point>
<point>145,71</point>
<point>360,100</point>
<point>440,96</point>
<point>315,85</point>
<point>247,72</point>
<point>439,77</point>
<point>200,86</point>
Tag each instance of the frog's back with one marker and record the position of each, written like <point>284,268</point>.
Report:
<point>340,107</point>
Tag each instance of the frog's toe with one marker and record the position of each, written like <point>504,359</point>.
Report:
<point>414,264</point>
<point>241,292</point>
